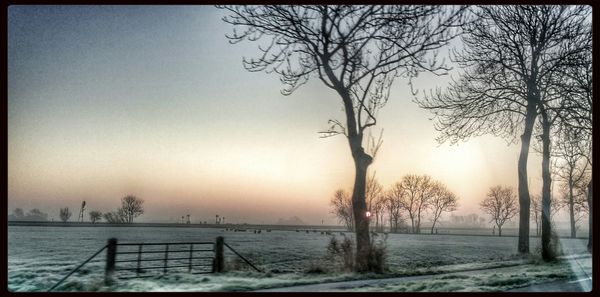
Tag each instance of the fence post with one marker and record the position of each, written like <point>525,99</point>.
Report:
<point>111,254</point>
<point>218,260</point>
<point>190,262</point>
<point>166,258</point>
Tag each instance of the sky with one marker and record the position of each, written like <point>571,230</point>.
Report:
<point>105,101</point>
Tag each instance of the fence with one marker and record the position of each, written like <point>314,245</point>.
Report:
<point>134,260</point>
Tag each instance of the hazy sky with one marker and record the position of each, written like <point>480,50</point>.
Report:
<point>105,101</point>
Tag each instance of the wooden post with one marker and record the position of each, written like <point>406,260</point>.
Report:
<point>111,254</point>
<point>166,258</point>
<point>190,263</point>
<point>218,260</point>
<point>139,260</point>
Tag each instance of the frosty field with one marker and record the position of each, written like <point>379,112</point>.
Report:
<point>39,256</point>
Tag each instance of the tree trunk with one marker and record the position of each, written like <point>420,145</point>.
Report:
<point>571,208</point>
<point>361,222</point>
<point>524,200</point>
<point>499,231</point>
<point>547,252</point>
<point>589,200</point>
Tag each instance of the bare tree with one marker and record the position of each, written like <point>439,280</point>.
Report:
<point>395,199</point>
<point>132,207</point>
<point>374,198</point>
<point>95,216</point>
<point>341,202</point>
<point>510,56</point>
<point>574,85</point>
<point>357,51</point>
<point>419,191</point>
<point>442,201</point>
<point>501,204</point>
<point>572,169</point>
<point>65,214</point>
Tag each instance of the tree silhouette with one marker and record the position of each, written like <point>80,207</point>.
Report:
<point>418,193</point>
<point>510,57</point>
<point>131,207</point>
<point>442,201</point>
<point>341,202</point>
<point>374,198</point>
<point>571,170</point>
<point>95,216</point>
<point>501,204</point>
<point>18,214</point>
<point>65,214</point>
<point>573,84</point>
<point>395,199</point>
<point>357,51</point>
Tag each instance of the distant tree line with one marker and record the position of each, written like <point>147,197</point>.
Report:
<point>33,215</point>
<point>405,201</point>
<point>131,207</point>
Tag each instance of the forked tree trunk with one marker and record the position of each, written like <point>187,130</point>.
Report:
<point>547,252</point>
<point>524,200</point>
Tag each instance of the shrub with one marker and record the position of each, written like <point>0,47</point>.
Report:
<point>341,254</point>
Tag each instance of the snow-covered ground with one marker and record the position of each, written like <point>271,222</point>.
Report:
<point>40,256</point>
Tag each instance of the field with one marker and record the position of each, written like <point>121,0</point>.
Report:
<point>39,256</point>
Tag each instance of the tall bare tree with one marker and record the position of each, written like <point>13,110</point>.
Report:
<point>501,204</point>
<point>341,204</point>
<point>509,54</point>
<point>443,200</point>
<point>574,85</point>
<point>132,207</point>
<point>357,51</point>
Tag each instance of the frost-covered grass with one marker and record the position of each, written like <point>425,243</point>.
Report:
<point>40,256</point>
<point>486,281</point>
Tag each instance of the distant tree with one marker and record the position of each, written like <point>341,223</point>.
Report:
<point>36,215</point>
<point>442,201</point>
<point>341,204</point>
<point>65,214</point>
<point>374,198</point>
<point>395,199</point>
<point>17,215</point>
<point>115,217</point>
<point>358,52</point>
<point>418,193</point>
<point>131,206</point>
<point>501,204</point>
<point>95,216</point>
<point>572,170</point>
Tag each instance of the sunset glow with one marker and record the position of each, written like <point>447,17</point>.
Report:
<point>107,102</point>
